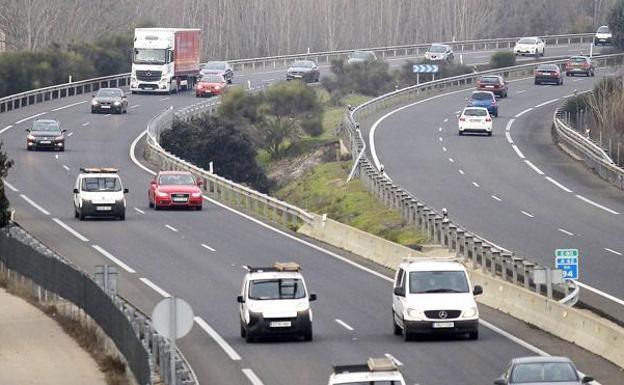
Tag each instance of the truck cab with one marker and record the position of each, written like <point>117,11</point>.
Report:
<point>164,60</point>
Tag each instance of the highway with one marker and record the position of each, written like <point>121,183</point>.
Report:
<point>516,189</point>
<point>198,256</point>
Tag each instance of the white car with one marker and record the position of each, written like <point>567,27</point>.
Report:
<point>376,371</point>
<point>530,46</point>
<point>275,301</point>
<point>475,119</point>
<point>98,192</point>
<point>603,35</point>
<point>439,52</point>
<point>434,297</point>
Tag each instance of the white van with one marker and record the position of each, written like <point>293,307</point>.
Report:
<point>434,297</point>
<point>98,192</point>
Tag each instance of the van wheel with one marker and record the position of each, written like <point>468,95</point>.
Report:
<point>243,333</point>
<point>473,335</point>
<point>405,333</point>
<point>307,336</point>
<point>248,336</point>
<point>76,215</point>
<point>122,217</point>
<point>81,215</point>
<point>397,328</point>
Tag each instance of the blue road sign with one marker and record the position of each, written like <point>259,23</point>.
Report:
<point>425,68</point>
<point>567,260</point>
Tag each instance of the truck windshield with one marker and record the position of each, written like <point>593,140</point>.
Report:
<point>150,56</point>
<point>267,289</point>
<point>438,282</point>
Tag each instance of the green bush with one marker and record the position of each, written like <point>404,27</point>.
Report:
<point>502,59</point>
<point>616,23</point>
<point>369,78</point>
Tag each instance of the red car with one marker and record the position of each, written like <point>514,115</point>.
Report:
<point>175,189</point>
<point>209,85</point>
<point>579,65</point>
<point>493,83</point>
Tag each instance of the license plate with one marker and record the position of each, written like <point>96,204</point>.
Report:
<point>443,325</point>
<point>105,107</point>
<point>280,324</point>
<point>179,199</point>
<point>45,142</point>
<point>103,208</point>
<point>475,120</point>
<point>489,86</point>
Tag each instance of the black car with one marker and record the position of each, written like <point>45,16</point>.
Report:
<point>307,70</point>
<point>548,73</point>
<point>111,100</point>
<point>45,133</point>
<point>542,371</point>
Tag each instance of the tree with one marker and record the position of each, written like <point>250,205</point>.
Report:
<point>616,23</point>
<point>5,165</point>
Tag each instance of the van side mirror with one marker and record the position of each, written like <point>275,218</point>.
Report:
<point>587,379</point>
<point>126,190</point>
<point>27,130</point>
<point>399,291</point>
<point>312,296</point>
<point>76,191</point>
<point>63,131</point>
<point>240,299</point>
<point>478,290</point>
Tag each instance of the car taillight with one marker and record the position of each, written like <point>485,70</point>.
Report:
<point>488,119</point>
<point>462,119</point>
<point>585,65</point>
<point>557,74</point>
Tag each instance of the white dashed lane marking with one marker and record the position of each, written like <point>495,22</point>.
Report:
<point>443,148</point>
<point>171,228</point>
<point>155,287</point>
<point>612,251</point>
<point>65,167</point>
<point>70,230</point>
<point>344,324</point>
<point>451,160</point>
<point>70,134</point>
<point>85,124</point>
<point>528,214</point>
<point>10,186</point>
<point>461,171</point>
<point>114,259</point>
<point>496,198</point>
<point>565,231</point>
<point>205,246</point>
<point>475,184</point>
<point>138,210</point>
<point>35,205</point>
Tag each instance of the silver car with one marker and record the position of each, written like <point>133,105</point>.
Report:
<point>110,100</point>
<point>306,70</point>
<point>542,371</point>
<point>439,52</point>
<point>361,57</point>
<point>222,68</point>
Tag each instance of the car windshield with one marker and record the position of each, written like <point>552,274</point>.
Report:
<point>475,112</point>
<point>603,29</point>
<point>109,93</point>
<point>527,40</point>
<point>46,125</point>
<point>489,80</point>
<point>267,289</point>
<point>361,55</point>
<point>303,64</point>
<point>437,48</point>
<point>215,65</point>
<point>482,96</point>
<point>100,183</point>
<point>212,79</point>
<point>437,282</point>
<point>543,372</point>
<point>149,56</point>
<point>176,180</point>
<point>578,59</point>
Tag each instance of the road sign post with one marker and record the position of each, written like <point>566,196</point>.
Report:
<point>567,260</point>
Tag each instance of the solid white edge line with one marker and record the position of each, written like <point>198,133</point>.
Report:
<point>528,214</point>
<point>523,112</point>
<point>598,205</point>
<point>508,136</point>
<point>513,338</point>
<point>218,339</point>
<point>509,123</point>
<point>69,106</point>
<point>612,251</point>
<point>133,157</point>
<point>114,259</point>
<point>6,128</point>
<point>566,232</point>
<point>534,167</point>
<point>344,324</point>
<point>601,293</point>
<point>205,246</point>
<point>251,376</point>
<point>10,186</point>
<point>30,117</point>
<point>171,228</point>
<point>564,188</point>
<point>35,205</point>
<point>155,287</point>
<point>517,150</point>
<point>70,230</point>
<point>138,210</point>
<point>545,103</point>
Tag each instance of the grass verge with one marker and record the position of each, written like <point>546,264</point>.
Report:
<point>324,190</point>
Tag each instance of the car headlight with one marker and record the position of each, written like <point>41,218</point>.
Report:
<point>415,314</point>
<point>59,138</point>
<point>30,137</point>
<point>470,313</point>
<point>94,102</point>
<point>161,194</point>
<point>117,103</point>
<point>217,87</point>
<point>196,194</point>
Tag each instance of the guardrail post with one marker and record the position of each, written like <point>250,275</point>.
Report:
<point>437,229</point>
<point>468,246</point>
<point>495,260</point>
<point>461,241</point>
<point>431,224</point>
<point>506,261</point>
<point>477,251</point>
<point>452,244</point>
<point>446,233</point>
<point>527,267</point>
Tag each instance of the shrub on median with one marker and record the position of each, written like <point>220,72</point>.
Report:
<point>502,59</point>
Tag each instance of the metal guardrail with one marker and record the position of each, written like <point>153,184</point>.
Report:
<point>401,50</point>
<point>593,156</point>
<point>214,186</point>
<point>474,249</point>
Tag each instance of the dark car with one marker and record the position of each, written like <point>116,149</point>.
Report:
<point>493,83</point>
<point>484,99</point>
<point>45,133</point>
<point>359,57</point>
<point>542,371</point>
<point>306,70</point>
<point>579,65</point>
<point>111,100</point>
<point>222,68</point>
<point>548,73</point>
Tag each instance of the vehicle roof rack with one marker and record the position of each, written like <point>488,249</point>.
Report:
<point>373,364</point>
<point>99,170</point>
<point>277,267</point>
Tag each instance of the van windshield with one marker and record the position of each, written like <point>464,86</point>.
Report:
<point>93,184</point>
<point>268,289</point>
<point>438,282</point>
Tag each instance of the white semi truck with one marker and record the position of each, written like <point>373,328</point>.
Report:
<point>165,60</point>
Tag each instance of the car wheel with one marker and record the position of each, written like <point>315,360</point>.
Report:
<point>543,52</point>
<point>496,114</point>
<point>198,208</point>
<point>537,83</point>
<point>473,335</point>
<point>396,327</point>
<point>156,207</point>
<point>567,74</point>
<point>307,335</point>
<point>230,80</point>
<point>122,217</point>
<point>93,111</point>
<point>489,133</point>
<point>150,204</point>
<point>133,92</point>
<point>461,133</point>
<point>561,81</point>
